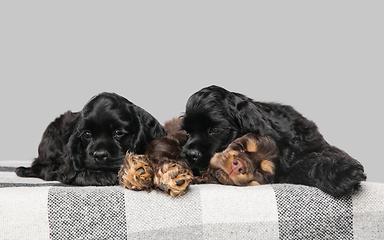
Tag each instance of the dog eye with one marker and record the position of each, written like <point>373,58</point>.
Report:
<point>213,131</point>
<point>242,148</point>
<point>87,135</point>
<point>119,133</point>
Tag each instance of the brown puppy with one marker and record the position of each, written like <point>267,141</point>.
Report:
<point>249,160</point>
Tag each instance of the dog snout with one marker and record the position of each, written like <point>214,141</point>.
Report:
<point>193,155</point>
<point>101,155</point>
<point>237,167</point>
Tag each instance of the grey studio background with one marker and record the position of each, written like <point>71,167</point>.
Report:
<point>324,58</point>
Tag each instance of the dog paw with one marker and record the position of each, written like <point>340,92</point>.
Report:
<point>173,178</point>
<point>136,173</point>
<point>337,175</point>
<point>349,180</point>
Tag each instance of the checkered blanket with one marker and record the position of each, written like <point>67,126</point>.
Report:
<point>35,209</point>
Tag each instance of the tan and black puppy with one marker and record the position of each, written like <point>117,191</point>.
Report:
<point>249,160</point>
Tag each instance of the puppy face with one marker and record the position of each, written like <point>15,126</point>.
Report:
<point>205,139</point>
<point>106,135</point>
<point>208,126</point>
<point>110,126</point>
<point>248,160</point>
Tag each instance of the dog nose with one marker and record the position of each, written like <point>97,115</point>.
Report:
<point>238,166</point>
<point>193,155</point>
<point>100,155</point>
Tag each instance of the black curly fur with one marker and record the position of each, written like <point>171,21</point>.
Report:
<point>214,117</point>
<point>88,147</point>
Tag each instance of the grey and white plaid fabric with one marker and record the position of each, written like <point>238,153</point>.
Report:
<point>35,209</point>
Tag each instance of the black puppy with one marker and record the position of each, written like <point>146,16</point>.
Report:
<point>214,117</point>
<point>88,147</point>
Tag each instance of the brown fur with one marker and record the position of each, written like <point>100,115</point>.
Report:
<point>166,172</point>
<point>257,155</point>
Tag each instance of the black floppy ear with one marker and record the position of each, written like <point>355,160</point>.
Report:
<point>248,116</point>
<point>73,159</point>
<point>75,149</point>
<point>148,129</point>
